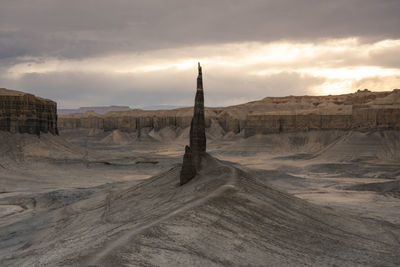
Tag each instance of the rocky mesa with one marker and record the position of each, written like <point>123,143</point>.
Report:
<point>25,113</point>
<point>362,110</point>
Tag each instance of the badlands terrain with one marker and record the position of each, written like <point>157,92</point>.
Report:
<point>313,181</point>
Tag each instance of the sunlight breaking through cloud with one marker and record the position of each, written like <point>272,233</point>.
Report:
<point>340,65</point>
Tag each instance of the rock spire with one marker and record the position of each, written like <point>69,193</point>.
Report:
<point>197,149</point>
<point>197,127</point>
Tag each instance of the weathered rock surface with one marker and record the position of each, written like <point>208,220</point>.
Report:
<point>188,171</point>
<point>195,153</point>
<point>265,124</point>
<point>197,126</point>
<point>131,121</point>
<point>363,110</point>
<point>25,113</point>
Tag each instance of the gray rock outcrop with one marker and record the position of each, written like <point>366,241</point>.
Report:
<point>194,153</point>
<point>197,126</point>
<point>188,171</point>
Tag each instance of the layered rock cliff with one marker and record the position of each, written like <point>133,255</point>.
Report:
<point>25,113</point>
<point>363,110</point>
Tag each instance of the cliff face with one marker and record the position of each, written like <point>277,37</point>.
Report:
<point>26,113</point>
<point>134,120</point>
<point>362,110</point>
<point>265,124</point>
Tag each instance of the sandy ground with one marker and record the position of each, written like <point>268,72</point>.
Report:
<point>101,199</point>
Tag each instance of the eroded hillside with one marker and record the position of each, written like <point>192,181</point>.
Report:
<point>362,110</point>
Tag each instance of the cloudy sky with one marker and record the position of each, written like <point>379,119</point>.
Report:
<point>141,53</point>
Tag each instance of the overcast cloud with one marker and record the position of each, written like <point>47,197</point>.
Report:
<point>141,53</point>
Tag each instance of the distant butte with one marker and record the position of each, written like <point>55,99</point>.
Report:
<point>21,112</point>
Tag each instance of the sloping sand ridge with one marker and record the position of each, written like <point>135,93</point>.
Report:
<point>227,216</point>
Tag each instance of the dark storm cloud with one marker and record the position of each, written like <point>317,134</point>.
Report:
<point>76,29</point>
<point>139,53</point>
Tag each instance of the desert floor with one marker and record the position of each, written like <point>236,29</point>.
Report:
<point>319,198</point>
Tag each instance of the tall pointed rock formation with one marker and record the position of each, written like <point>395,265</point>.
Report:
<point>194,153</point>
<point>197,127</point>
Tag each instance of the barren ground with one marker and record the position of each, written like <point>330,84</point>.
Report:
<point>319,198</point>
